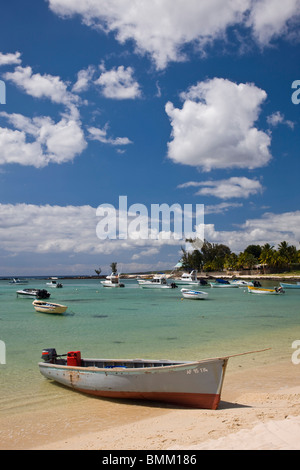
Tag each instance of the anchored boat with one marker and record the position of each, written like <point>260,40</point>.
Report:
<point>197,384</point>
<point>37,293</point>
<point>284,285</point>
<point>158,282</point>
<point>193,294</point>
<point>112,281</point>
<point>54,283</point>
<point>188,279</point>
<point>263,291</point>
<point>47,307</point>
<point>223,284</point>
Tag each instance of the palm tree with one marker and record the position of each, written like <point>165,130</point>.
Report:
<point>267,253</point>
<point>113,267</point>
<point>98,271</point>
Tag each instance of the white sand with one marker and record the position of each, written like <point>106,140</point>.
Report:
<point>260,409</point>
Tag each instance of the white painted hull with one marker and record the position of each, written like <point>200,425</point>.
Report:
<point>196,384</point>
<point>47,307</point>
<point>109,284</point>
<point>154,286</point>
<point>261,291</point>
<point>192,294</point>
<point>222,286</point>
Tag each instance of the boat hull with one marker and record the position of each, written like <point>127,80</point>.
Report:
<point>187,283</point>
<point>110,284</point>
<point>36,293</point>
<point>261,291</point>
<point>290,286</point>
<point>219,285</point>
<point>154,286</point>
<point>193,384</point>
<point>46,307</point>
<point>191,294</point>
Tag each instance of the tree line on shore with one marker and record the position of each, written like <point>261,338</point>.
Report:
<point>219,257</point>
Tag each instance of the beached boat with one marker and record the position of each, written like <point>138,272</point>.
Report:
<point>194,383</point>
<point>285,285</point>
<point>159,281</point>
<point>47,307</point>
<point>54,283</point>
<point>188,279</point>
<point>112,281</point>
<point>37,293</point>
<point>264,291</point>
<point>18,281</point>
<point>193,294</point>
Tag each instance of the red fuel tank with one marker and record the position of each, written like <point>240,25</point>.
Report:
<point>74,358</point>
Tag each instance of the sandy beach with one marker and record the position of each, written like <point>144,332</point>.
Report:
<point>259,410</point>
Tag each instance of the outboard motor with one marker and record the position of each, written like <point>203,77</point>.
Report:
<point>42,294</point>
<point>49,355</point>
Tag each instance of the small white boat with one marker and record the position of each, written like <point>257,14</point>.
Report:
<point>242,283</point>
<point>263,291</point>
<point>188,279</point>
<point>47,307</point>
<point>290,286</point>
<point>37,293</point>
<point>18,281</point>
<point>223,284</point>
<point>112,281</point>
<point>193,294</point>
<point>54,283</point>
<point>158,282</point>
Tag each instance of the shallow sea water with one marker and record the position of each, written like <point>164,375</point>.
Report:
<point>132,322</point>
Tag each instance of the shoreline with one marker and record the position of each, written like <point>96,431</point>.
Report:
<point>259,409</point>
<point>206,276</point>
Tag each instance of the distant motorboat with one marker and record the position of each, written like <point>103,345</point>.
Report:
<point>54,283</point>
<point>193,294</point>
<point>37,293</point>
<point>264,291</point>
<point>188,279</point>
<point>112,281</point>
<point>290,286</point>
<point>242,283</point>
<point>158,282</point>
<point>47,307</point>
<point>18,281</point>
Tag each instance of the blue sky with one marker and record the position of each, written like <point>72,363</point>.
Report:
<point>172,101</point>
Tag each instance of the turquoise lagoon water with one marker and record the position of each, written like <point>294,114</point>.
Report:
<point>132,322</point>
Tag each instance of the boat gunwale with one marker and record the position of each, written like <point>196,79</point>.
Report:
<point>264,289</point>
<point>172,365</point>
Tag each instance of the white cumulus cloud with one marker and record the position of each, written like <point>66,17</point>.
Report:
<point>234,187</point>
<point>119,83</point>
<point>10,58</point>
<point>41,86</point>
<point>215,128</point>
<point>162,29</point>
<point>101,135</point>
<point>39,141</point>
